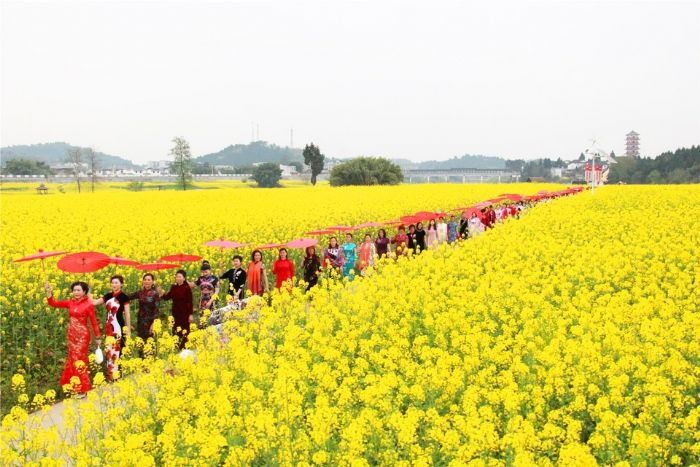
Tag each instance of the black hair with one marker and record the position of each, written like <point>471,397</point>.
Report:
<point>383,232</point>
<point>120,278</point>
<point>279,252</point>
<point>83,285</point>
<point>238,257</point>
<point>252,255</point>
<point>181,271</point>
<point>336,241</point>
<point>148,274</point>
<point>348,233</point>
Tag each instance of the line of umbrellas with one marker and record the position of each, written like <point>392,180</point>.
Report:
<point>91,261</point>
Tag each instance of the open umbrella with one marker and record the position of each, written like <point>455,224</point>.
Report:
<point>512,196</point>
<point>302,243</point>
<point>181,258</point>
<point>320,232</point>
<point>122,261</point>
<point>426,215</point>
<point>495,200</point>
<point>483,204</point>
<point>83,262</point>
<point>341,228</point>
<point>368,224</point>
<point>157,266</point>
<point>224,244</point>
<point>270,246</point>
<point>392,223</point>
<point>410,219</point>
<point>41,254</point>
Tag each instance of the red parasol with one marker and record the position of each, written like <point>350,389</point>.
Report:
<point>512,196</point>
<point>341,228</point>
<point>302,243</point>
<point>320,232</point>
<point>157,266</point>
<point>41,254</point>
<point>368,224</point>
<point>482,204</point>
<point>494,200</point>
<point>122,261</point>
<point>394,223</point>
<point>181,258</point>
<point>85,261</point>
<point>224,244</point>
<point>410,219</point>
<point>426,215</point>
<point>270,246</point>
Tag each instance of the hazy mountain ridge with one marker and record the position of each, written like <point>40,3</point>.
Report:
<point>56,153</point>
<point>246,154</point>
<point>466,161</point>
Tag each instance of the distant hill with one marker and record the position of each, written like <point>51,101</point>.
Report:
<point>55,153</point>
<point>464,162</point>
<point>245,154</point>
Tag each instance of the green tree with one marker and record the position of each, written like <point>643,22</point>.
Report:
<point>26,167</point>
<point>314,159</point>
<point>267,175</point>
<point>366,171</point>
<point>655,177</point>
<point>182,161</point>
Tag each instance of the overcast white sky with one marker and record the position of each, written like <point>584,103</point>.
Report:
<point>419,80</point>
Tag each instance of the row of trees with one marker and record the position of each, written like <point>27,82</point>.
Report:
<point>679,166</point>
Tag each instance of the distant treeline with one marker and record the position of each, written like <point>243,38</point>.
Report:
<point>680,166</point>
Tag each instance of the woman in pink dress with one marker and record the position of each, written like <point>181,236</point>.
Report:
<point>80,309</point>
<point>432,235</point>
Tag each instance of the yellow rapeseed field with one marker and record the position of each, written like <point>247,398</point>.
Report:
<point>570,336</point>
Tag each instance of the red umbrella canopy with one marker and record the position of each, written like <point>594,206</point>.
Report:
<point>482,204</point>
<point>427,215</point>
<point>225,244</point>
<point>270,246</point>
<point>410,219</point>
<point>181,258</point>
<point>494,200</point>
<point>394,223</point>
<point>512,197</point>
<point>41,254</point>
<point>156,266</point>
<point>302,243</point>
<point>122,261</point>
<point>320,232</point>
<point>341,228</point>
<point>85,261</point>
<point>369,224</point>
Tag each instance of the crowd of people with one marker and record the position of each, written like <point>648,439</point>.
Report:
<point>344,260</point>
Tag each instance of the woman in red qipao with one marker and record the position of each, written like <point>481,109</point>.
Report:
<point>80,309</point>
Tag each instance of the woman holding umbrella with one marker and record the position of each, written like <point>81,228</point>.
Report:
<point>368,252</point>
<point>183,306</point>
<point>257,276</point>
<point>311,266</point>
<point>118,323</point>
<point>420,237</point>
<point>382,244</point>
<point>333,255</point>
<point>149,306</point>
<point>80,309</point>
<point>349,255</point>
